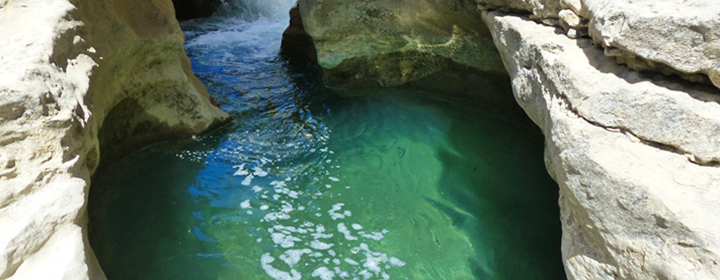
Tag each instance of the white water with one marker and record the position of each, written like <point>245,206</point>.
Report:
<point>279,211</point>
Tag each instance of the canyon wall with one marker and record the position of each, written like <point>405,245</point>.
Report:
<point>81,81</point>
<point>624,91</point>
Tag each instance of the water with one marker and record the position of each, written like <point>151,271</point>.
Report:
<point>314,183</point>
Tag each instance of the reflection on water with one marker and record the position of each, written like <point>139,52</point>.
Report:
<point>307,184</point>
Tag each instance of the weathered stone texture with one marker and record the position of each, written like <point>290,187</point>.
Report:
<point>64,66</point>
<point>667,36</point>
<point>621,145</point>
<point>390,43</point>
<point>682,35</point>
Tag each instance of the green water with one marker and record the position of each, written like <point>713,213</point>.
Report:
<point>306,183</point>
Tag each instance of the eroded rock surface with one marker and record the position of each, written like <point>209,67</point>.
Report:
<point>681,35</point>
<point>621,145</point>
<point>70,70</point>
<point>391,43</point>
<point>667,36</point>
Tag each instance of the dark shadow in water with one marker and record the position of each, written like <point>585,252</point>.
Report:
<point>158,234</point>
<point>132,241</point>
<point>520,198</point>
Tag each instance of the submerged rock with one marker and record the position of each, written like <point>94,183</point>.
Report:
<point>81,81</point>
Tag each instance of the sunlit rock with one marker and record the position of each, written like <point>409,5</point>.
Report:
<point>669,36</point>
<point>628,151</point>
<point>70,71</point>
<point>432,44</point>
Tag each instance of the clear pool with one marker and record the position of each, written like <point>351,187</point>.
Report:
<point>309,182</point>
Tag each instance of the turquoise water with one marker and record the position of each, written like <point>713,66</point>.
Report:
<point>309,182</point>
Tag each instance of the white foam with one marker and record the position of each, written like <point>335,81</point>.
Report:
<point>375,236</point>
<point>317,244</point>
<point>259,172</point>
<point>293,194</point>
<point>396,262</point>
<point>344,230</point>
<point>357,227</point>
<point>366,275</point>
<point>333,179</point>
<point>292,257</point>
<point>272,216</point>
<point>285,241</point>
<point>277,184</point>
<point>351,261</point>
<point>240,170</point>
<point>286,207</point>
<point>245,204</point>
<point>247,180</point>
<point>275,273</point>
<point>372,263</point>
<point>323,273</point>
<point>337,207</point>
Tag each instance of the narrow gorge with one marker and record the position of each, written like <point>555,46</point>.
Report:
<point>364,140</point>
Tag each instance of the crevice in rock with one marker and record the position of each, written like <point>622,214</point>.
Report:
<point>190,9</point>
<point>302,49</point>
<point>126,128</point>
<point>622,57</point>
<point>649,142</point>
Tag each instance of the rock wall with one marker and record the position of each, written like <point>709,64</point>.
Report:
<point>635,153</point>
<point>71,70</point>
<point>623,147</point>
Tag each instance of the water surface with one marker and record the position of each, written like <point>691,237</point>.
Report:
<point>309,183</point>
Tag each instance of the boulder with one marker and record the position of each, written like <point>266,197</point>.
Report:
<point>390,43</point>
<point>664,35</point>
<point>81,81</point>
<point>637,194</point>
<point>538,9</point>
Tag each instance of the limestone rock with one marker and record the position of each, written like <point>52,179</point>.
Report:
<point>389,43</point>
<point>569,18</point>
<point>667,36</point>
<point>681,35</point>
<point>69,71</point>
<point>617,142</point>
<point>540,9</point>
